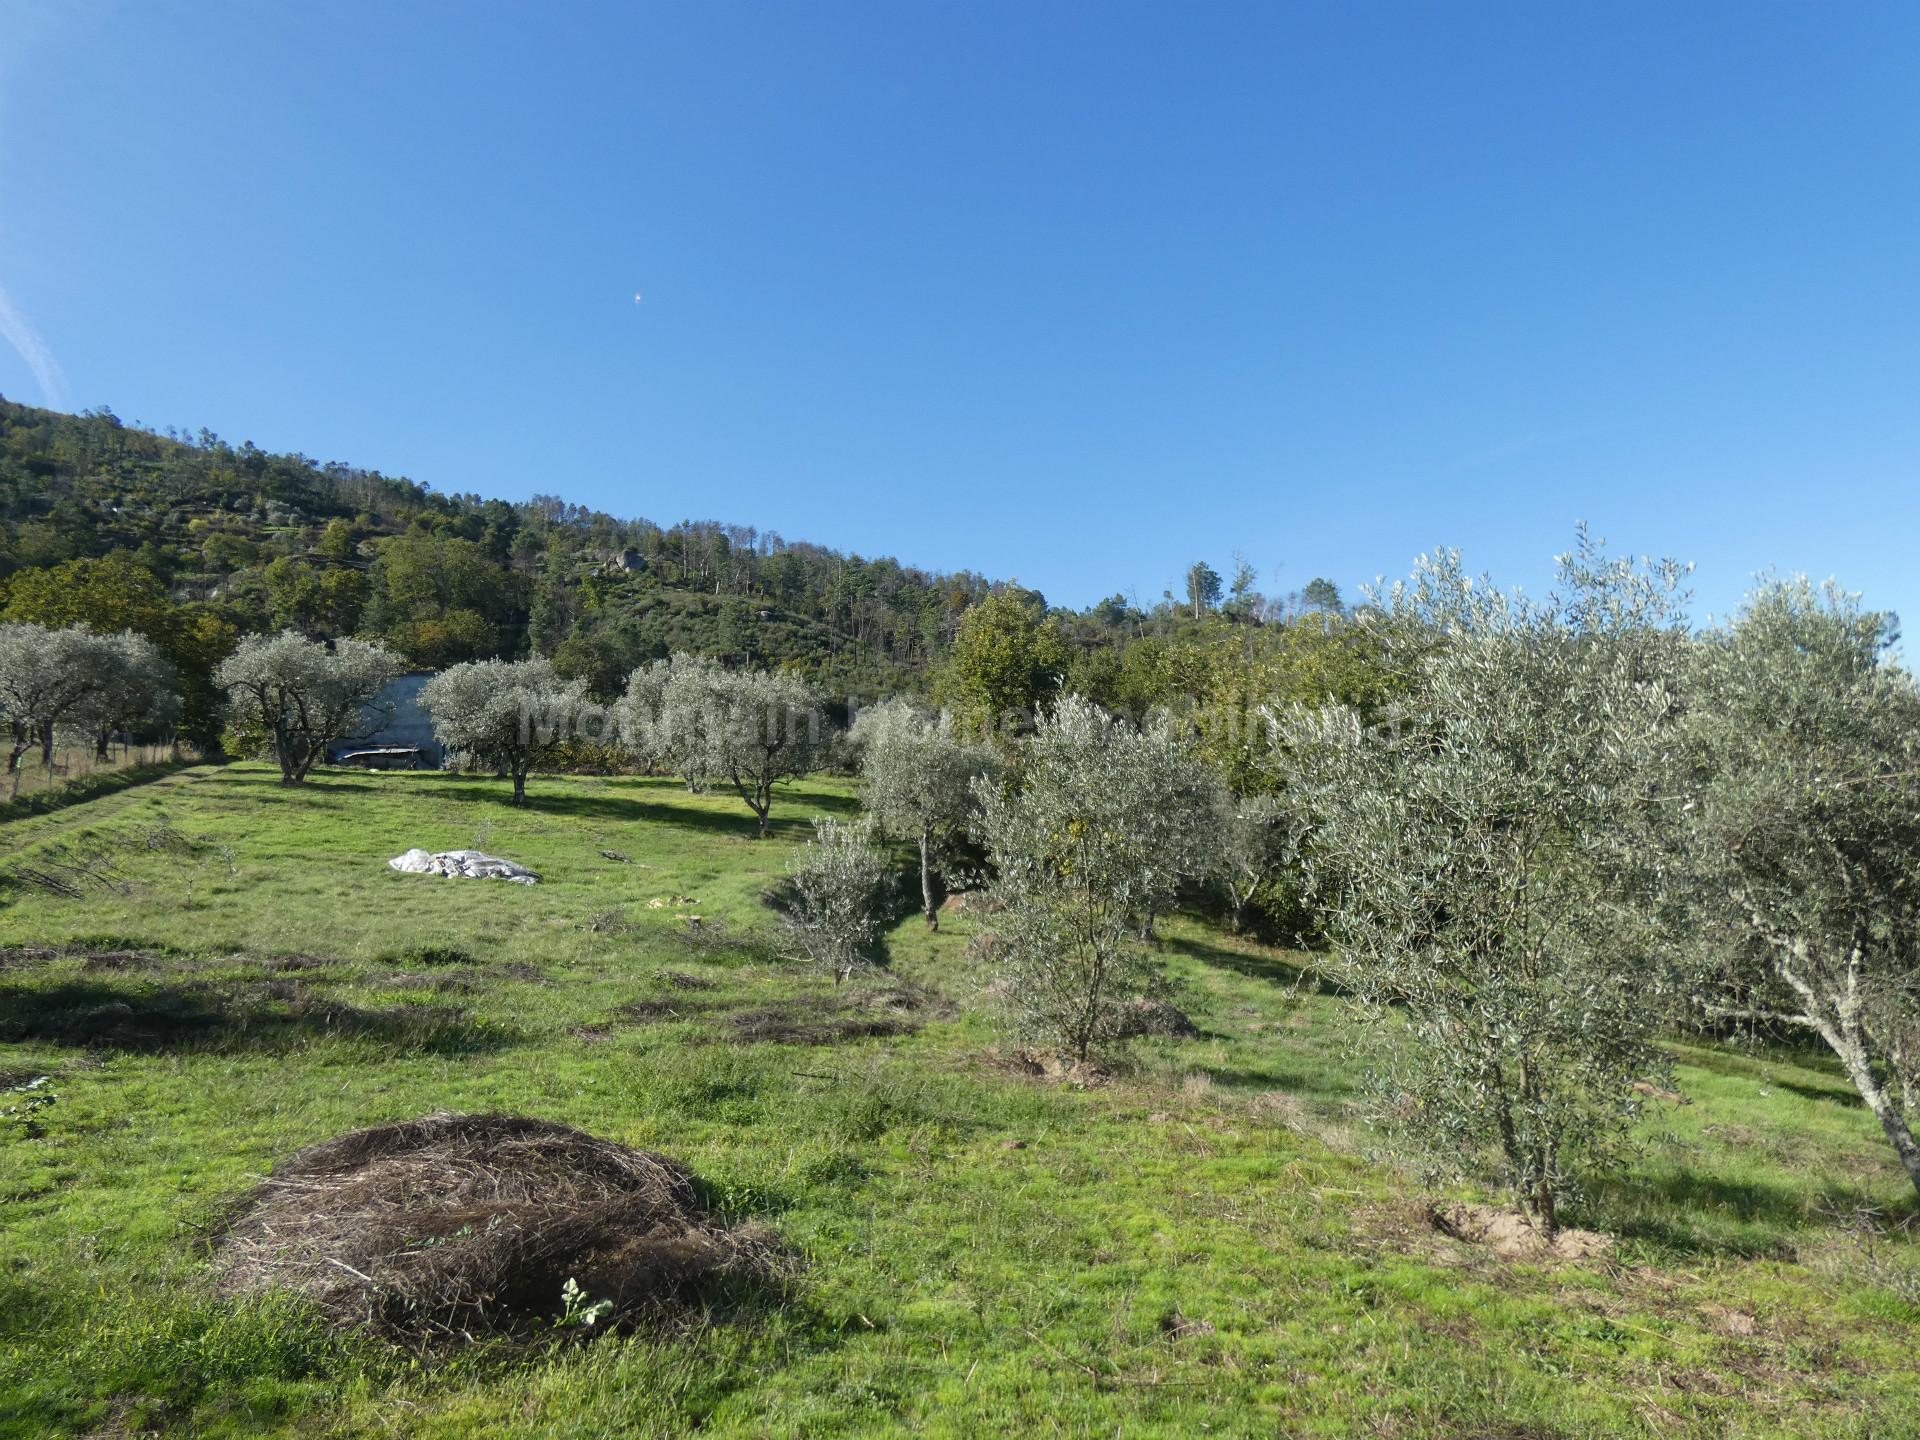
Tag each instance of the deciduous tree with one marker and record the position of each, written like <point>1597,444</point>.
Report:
<point>1004,664</point>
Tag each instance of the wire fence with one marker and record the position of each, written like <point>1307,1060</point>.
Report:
<point>75,763</point>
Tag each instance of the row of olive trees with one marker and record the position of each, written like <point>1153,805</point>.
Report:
<point>87,685</point>
<point>1577,824</point>
<point>745,729</point>
<point>300,696</point>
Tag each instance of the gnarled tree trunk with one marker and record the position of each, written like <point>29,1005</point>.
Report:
<point>926,878</point>
<point>1837,1019</point>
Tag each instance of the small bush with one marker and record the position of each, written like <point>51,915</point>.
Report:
<point>841,882</point>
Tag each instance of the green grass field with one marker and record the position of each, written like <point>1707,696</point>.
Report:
<point>1208,1244</point>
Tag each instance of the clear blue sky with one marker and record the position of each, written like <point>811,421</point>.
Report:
<point>1075,293</point>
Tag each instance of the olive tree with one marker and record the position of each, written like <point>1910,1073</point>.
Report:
<point>1174,835</point>
<point>840,888</point>
<point>916,780</point>
<point>1081,841</point>
<point>1254,839</point>
<point>751,729</point>
<point>640,711</point>
<point>38,686</point>
<point>507,715</point>
<point>1481,856</point>
<point>1807,834</point>
<point>49,679</point>
<point>305,695</point>
<point>137,689</point>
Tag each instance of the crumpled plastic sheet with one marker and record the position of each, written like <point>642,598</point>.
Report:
<point>462,864</point>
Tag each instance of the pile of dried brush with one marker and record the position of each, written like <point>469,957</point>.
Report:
<point>454,1226</point>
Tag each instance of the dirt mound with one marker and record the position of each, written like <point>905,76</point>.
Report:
<point>1514,1236</point>
<point>455,1225</point>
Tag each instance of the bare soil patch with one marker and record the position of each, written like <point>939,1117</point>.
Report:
<point>1047,1065</point>
<point>1513,1235</point>
<point>848,1014</point>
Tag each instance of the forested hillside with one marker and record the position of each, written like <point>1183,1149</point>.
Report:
<point>276,540</point>
<point>193,541</point>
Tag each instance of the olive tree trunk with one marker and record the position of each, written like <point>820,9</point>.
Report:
<point>926,878</point>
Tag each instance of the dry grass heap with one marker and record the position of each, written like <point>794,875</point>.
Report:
<point>453,1226</point>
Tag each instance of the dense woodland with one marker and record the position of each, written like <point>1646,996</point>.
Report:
<point>193,542</point>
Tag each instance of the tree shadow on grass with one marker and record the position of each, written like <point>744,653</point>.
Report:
<point>1301,1080</point>
<point>1823,1094</point>
<point>263,787</point>
<point>1831,1088</point>
<point>92,787</point>
<point>633,810</point>
<point>1703,1214</point>
<point>1761,1061</point>
<point>147,1017</point>
<point>1256,965</point>
<point>796,822</point>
